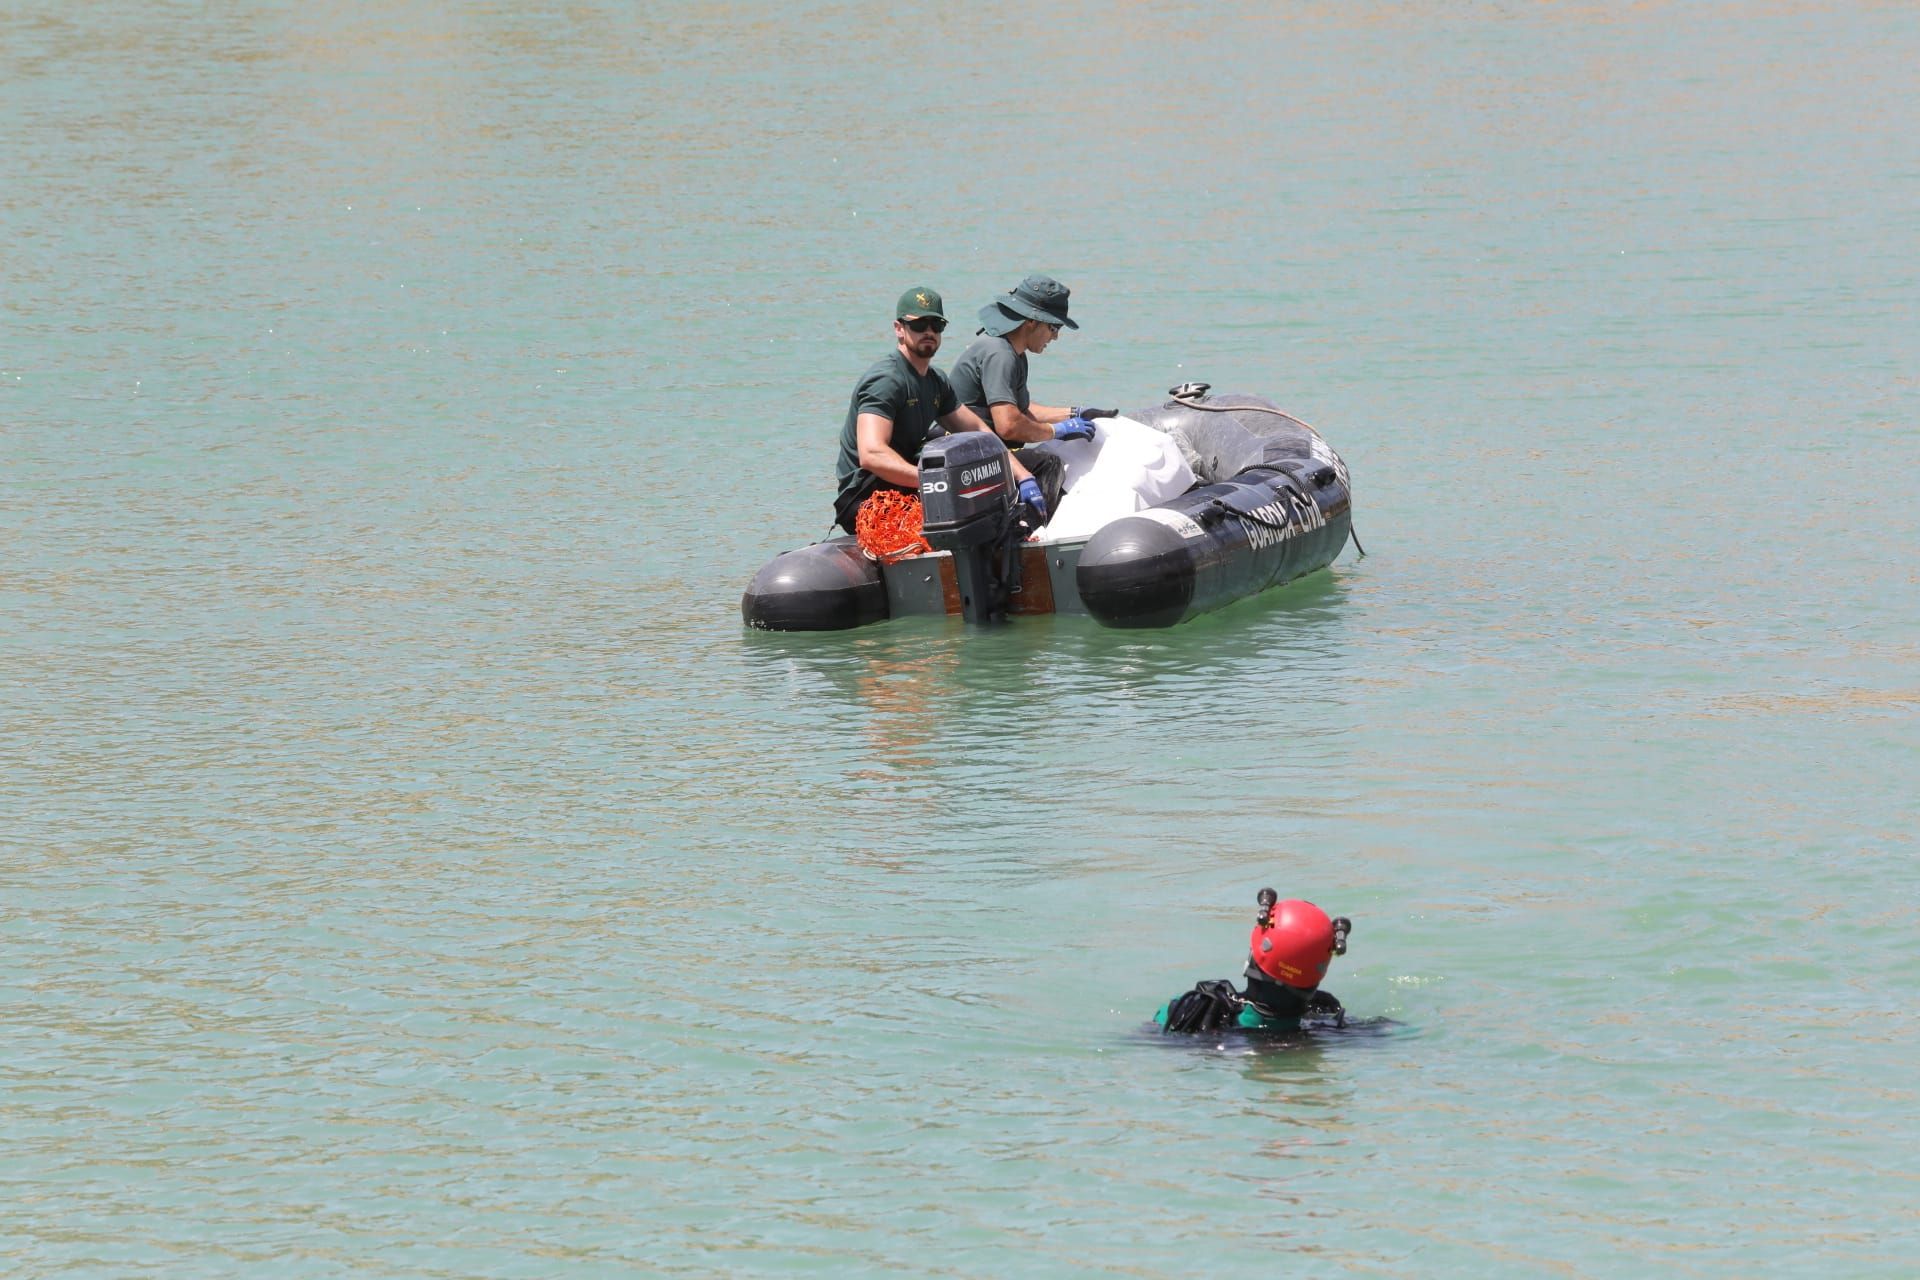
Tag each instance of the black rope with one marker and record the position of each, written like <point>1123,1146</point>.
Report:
<point>1254,516</point>
<point>1191,399</point>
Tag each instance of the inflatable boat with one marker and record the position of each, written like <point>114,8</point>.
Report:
<point>1269,502</point>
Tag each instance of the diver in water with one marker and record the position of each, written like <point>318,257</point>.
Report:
<point>1292,944</point>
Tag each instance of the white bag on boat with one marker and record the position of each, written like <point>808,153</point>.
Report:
<point>1126,467</point>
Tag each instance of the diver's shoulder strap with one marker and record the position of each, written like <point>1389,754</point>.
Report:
<point>1208,1007</point>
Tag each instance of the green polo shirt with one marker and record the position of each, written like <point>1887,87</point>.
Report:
<point>913,402</point>
<point>991,372</point>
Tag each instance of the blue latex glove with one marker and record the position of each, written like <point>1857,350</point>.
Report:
<point>1074,428</point>
<point>1031,495</point>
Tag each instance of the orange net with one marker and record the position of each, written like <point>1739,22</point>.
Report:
<point>888,526</point>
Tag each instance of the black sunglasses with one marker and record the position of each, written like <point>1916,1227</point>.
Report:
<point>924,323</point>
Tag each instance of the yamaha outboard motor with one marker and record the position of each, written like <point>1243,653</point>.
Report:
<point>966,499</point>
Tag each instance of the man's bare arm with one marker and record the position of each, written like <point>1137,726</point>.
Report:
<point>874,434</point>
<point>1011,424</point>
<point>965,419</point>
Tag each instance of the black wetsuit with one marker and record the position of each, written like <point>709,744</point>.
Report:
<point>1265,1005</point>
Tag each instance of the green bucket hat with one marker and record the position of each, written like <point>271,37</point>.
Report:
<point>919,301</point>
<point>1039,298</point>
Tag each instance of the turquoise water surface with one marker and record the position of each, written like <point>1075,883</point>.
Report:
<point>409,866</point>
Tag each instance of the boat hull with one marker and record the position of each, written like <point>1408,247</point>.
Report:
<point>829,586</point>
<point>1214,545</point>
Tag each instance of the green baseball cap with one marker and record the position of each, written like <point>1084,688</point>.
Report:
<point>920,301</point>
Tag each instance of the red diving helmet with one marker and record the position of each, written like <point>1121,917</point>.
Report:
<point>1293,942</point>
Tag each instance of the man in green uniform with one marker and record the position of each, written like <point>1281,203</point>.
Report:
<point>990,377</point>
<point>895,408</point>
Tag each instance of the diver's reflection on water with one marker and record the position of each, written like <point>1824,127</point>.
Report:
<point>1300,1071</point>
<point>1298,1049</point>
<point>1302,1093</point>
